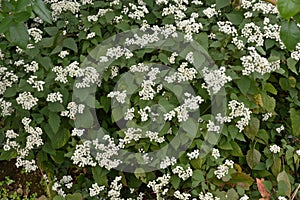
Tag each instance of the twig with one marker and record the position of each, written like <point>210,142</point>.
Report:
<point>295,192</point>
<point>274,2</point>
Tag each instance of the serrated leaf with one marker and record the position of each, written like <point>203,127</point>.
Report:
<point>175,181</point>
<point>241,179</point>
<point>253,158</point>
<point>232,194</point>
<point>42,11</point>
<point>244,84</point>
<point>54,122</point>
<point>290,34</point>
<point>99,174</point>
<point>291,63</point>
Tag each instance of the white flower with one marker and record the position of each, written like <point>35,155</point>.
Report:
<point>182,196</point>
<point>266,116</point>
<point>215,153</point>
<point>36,34</point>
<point>26,100</point>
<point>63,54</point>
<point>207,196</point>
<point>245,197</point>
<point>274,148</point>
<point>183,174</point>
<point>279,129</point>
<point>282,198</point>
<point>194,154</point>
<point>119,96</point>
<point>167,162</point>
<point>55,97</point>
<point>129,114</point>
<point>211,11</point>
<point>96,189</point>
<point>77,132</point>
<point>298,152</point>
<point>91,35</point>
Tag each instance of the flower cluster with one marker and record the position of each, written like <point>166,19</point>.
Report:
<point>73,109</point>
<point>57,186</point>
<point>182,173</point>
<point>223,170</point>
<point>26,100</point>
<point>158,185</point>
<point>274,148</point>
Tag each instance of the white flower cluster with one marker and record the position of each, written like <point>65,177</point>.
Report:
<point>148,92</point>
<point>212,127</point>
<point>140,67</point>
<point>7,79</point>
<point>238,110</point>
<point>256,63</point>
<point>72,70</point>
<point>119,96</point>
<point>282,198</point>
<point>118,52</point>
<point>222,170</point>
<point>55,97</point>
<point>154,136</point>
<point>57,186</point>
<point>211,11</point>
<point>26,100</point>
<point>190,103</point>
<point>138,11</point>
<point>96,189</point>
<point>167,162</point>
<point>182,173</point>
<point>32,67</point>
<point>214,79</point>
<point>33,140</point>
<point>73,109</point>
<point>279,129</point>
<point>244,197</point>
<point>238,43</point>
<point>227,28</point>
<point>266,116</point>
<point>183,74</point>
<point>296,53</point>
<point>272,31</point>
<point>173,57</point>
<point>77,132</point>
<point>36,34</point>
<point>182,196</point>
<point>215,153</point>
<point>207,196</point>
<point>82,155</point>
<point>101,12</point>
<point>129,114</point>
<point>158,185</point>
<point>114,71</point>
<point>39,85</point>
<point>6,108</point>
<point>90,35</point>
<point>115,188</point>
<point>106,152</point>
<point>194,154</point>
<point>132,134</point>
<point>63,54</point>
<point>298,152</point>
<point>89,76</point>
<point>253,34</point>
<point>63,6</point>
<point>274,148</point>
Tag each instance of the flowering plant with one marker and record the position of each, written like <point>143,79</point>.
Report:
<point>164,99</point>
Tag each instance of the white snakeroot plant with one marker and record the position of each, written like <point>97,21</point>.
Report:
<point>274,148</point>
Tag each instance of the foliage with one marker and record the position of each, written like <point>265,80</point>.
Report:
<point>47,123</point>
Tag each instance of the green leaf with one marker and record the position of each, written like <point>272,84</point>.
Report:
<point>75,196</point>
<point>252,129</point>
<point>276,167</point>
<point>58,157</point>
<point>140,174</point>
<point>232,194</point>
<point>222,3</point>
<point>268,87</point>
<point>18,34</point>
<point>198,175</point>
<point>288,8</point>
<point>59,140</point>
<point>84,120</point>
<point>99,175</point>
<point>253,158</point>
<point>295,118</point>
<point>242,179</point>
<point>237,151</point>
<point>236,19</point>
<point>196,163</point>
<point>290,34</point>
<point>42,11</point>
<point>54,122</point>
<point>5,24</point>
<point>268,102</point>
<point>70,43</point>
<point>22,5</point>
<point>291,63</point>
<point>7,155</point>
<point>283,176</point>
<point>175,181</point>
<point>244,84</point>
<point>55,107</point>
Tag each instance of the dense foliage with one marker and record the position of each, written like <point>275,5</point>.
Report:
<point>164,99</point>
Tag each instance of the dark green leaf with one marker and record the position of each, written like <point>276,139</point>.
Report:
<point>70,43</point>
<point>283,176</point>
<point>18,34</point>
<point>241,179</point>
<point>295,119</point>
<point>54,122</point>
<point>7,155</point>
<point>42,11</point>
<point>252,129</point>
<point>222,3</point>
<point>290,34</point>
<point>253,158</point>
<point>244,84</point>
<point>291,63</point>
<point>288,8</point>
<point>99,174</point>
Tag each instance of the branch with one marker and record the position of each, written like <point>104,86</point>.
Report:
<point>274,2</point>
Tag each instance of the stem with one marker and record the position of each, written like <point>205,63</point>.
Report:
<point>274,2</point>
